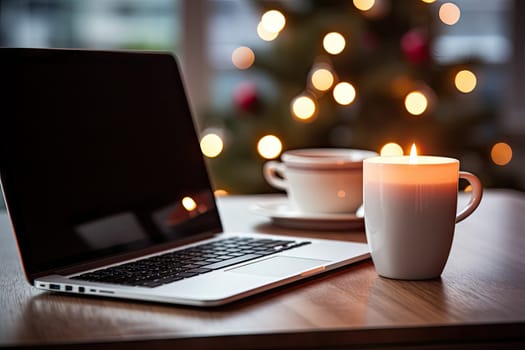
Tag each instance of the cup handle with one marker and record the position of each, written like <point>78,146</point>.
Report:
<point>475,197</point>
<point>273,172</point>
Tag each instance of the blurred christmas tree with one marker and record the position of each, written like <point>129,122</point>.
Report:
<point>348,74</point>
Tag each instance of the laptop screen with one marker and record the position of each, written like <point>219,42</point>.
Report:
<point>98,155</point>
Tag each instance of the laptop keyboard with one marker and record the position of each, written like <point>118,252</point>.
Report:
<point>173,266</point>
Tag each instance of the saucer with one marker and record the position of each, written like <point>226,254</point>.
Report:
<point>283,215</point>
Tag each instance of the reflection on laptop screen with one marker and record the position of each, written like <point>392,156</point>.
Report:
<point>99,151</point>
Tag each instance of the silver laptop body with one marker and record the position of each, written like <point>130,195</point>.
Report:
<point>98,152</point>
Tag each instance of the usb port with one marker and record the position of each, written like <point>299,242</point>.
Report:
<point>54,286</point>
<point>69,288</point>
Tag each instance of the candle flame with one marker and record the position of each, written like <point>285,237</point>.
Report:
<point>413,155</point>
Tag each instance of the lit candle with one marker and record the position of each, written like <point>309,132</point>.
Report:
<point>410,212</point>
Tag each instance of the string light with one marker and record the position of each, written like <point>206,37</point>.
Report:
<point>391,149</point>
<point>273,21</point>
<point>364,5</point>
<point>269,147</point>
<point>220,192</point>
<point>449,13</point>
<point>465,81</point>
<point>416,103</point>
<point>304,108</point>
<point>334,43</point>
<point>501,153</point>
<point>344,93</point>
<point>243,57</point>
<point>211,145</point>
<point>264,34</point>
<point>322,79</point>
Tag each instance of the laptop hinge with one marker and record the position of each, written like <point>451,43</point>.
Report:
<point>128,256</point>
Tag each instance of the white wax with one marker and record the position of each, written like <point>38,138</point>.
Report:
<point>426,169</point>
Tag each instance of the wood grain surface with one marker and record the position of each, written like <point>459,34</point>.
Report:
<point>479,301</point>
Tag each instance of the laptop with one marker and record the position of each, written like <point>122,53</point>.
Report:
<point>108,191</point>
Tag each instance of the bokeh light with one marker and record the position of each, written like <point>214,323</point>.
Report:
<point>501,153</point>
<point>264,34</point>
<point>243,57</point>
<point>364,5</point>
<point>344,93</point>
<point>189,204</point>
<point>304,108</point>
<point>220,192</point>
<point>416,103</point>
<point>269,147</point>
<point>211,145</point>
<point>449,13</point>
<point>334,43</point>
<point>322,79</point>
<point>429,1</point>
<point>465,81</point>
<point>273,21</point>
<point>391,149</point>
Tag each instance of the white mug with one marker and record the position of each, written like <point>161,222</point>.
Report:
<point>410,213</point>
<point>320,180</point>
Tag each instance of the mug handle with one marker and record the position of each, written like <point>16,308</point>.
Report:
<point>475,197</point>
<point>273,172</point>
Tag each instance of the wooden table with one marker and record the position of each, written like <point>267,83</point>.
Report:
<point>479,302</point>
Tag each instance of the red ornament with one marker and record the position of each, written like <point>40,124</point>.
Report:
<point>415,47</point>
<point>245,97</point>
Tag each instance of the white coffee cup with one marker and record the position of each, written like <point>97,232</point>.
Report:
<point>320,180</point>
<point>410,213</point>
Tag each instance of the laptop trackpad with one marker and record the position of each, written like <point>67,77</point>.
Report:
<point>279,266</point>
